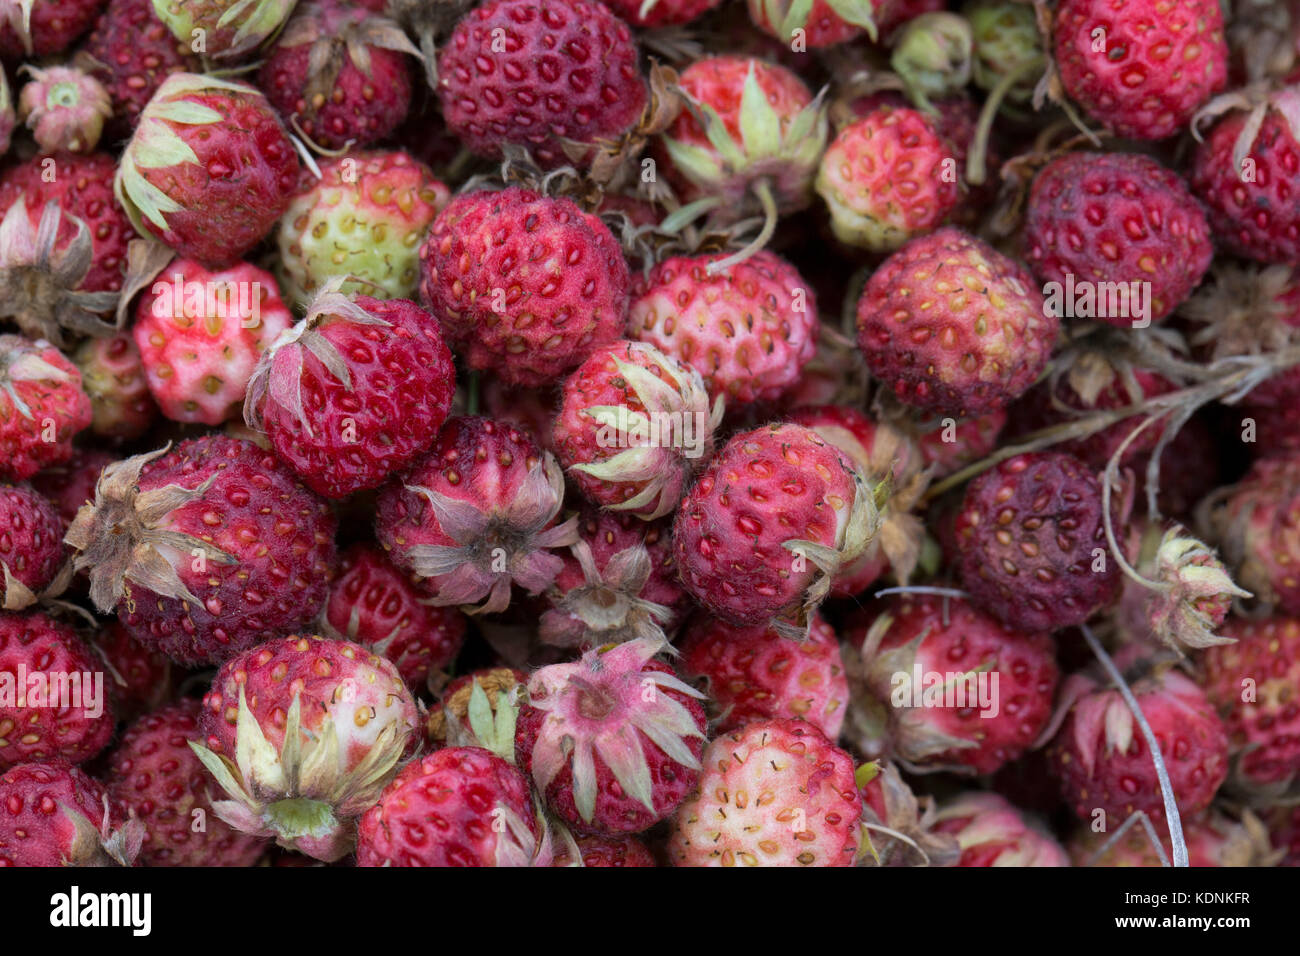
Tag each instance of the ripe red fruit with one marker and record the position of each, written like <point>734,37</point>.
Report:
<point>925,325</point>
<point>71,484</point>
<point>153,773</point>
<point>38,388</point>
<point>822,22</point>
<point>1150,66</point>
<point>1097,218</point>
<point>658,13</point>
<point>140,679</point>
<point>598,850</point>
<point>1031,543</point>
<point>208,170</point>
<point>541,76</point>
<point>31,545</point>
<point>52,706</point>
<point>37,28</point>
<point>525,285</point>
<point>54,815</point>
<point>1212,840</point>
<point>134,52</point>
<point>992,832</point>
<point>206,549</point>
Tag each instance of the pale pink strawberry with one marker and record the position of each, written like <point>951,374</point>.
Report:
<point>112,374</point>
<point>992,832</point>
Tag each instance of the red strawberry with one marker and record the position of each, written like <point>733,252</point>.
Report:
<point>525,285</point>
<point>1101,758</point>
<point>52,705</point>
<point>208,170</point>
<point>37,28</point>
<point>112,374</point>
<point>634,427</point>
<point>228,30</point>
<point>961,689</point>
<point>991,832</point>
<point>613,741</point>
<point>476,515</point>
<point>201,333</point>
<point>303,733</point>
<point>598,850</point>
<point>949,446</point>
<point>71,484</point>
<point>1031,543</point>
<point>355,392</point>
<point>55,815</point>
<point>819,23</point>
<point>658,13</point>
<point>205,550</point>
<point>887,178</point>
<point>896,824</point>
<point>1150,66</point>
<point>923,325</point>
<point>140,678</point>
<point>374,605</point>
<point>460,806</point>
<point>42,407</point>
<point>340,74</point>
<point>774,793</point>
<point>748,330</point>
<point>1212,840</point>
<point>452,707</point>
<point>1100,218</point>
<point>154,774</point>
<point>752,673</point>
<point>31,545</point>
<point>134,52</point>
<point>546,76</point>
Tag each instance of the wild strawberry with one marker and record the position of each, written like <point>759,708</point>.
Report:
<point>231,31</point>
<point>42,407</point>
<point>926,661</point>
<point>768,525</point>
<point>63,244</point>
<point>70,484</point>
<point>372,604</point>
<point>887,178</point>
<point>612,741</point>
<point>303,733</point>
<point>140,679</point>
<point>133,52</point>
<point>363,220</point>
<point>37,28</point>
<point>154,774</point>
<point>476,515</point>
<point>31,545</point>
<point>774,793</point>
<point>924,326</point>
<point>819,23</point>
<point>355,392</point>
<point>949,446</point>
<point>525,285</point>
<point>113,377</point>
<point>551,77</point>
<point>1100,755</point>
<point>460,806</point>
<point>596,850</point>
<point>64,108</point>
<point>1243,171</point>
<point>340,74</point>
<point>748,330</point>
<point>1213,840</point>
<point>1256,524</point>
<point>634,427</point>
<point>531,410</point>
<point>1253,684</point>
<point>619,582</point>
<point>658,13</point>
<point>51,702</point>
<point>208,170</point>
<point>1156,62</point>
<point>991,832</point>
<point>1100,218</point>
<point>451,710</point>
<point>206,549</point>
<point>55,815</point>
<point>897,826</point>
<point>1032,544</point>
<point>752,673</point>
<point>201,332</point>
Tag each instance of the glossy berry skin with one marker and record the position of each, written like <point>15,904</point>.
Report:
<point>154,774</point>
<point>67,729</point>
<point>1027,534</point>
<point>927,635</point>
<point>887,178</point>
<point>373,604</point>
<point>1160,60</point>
<point>954,327</point>
<point>1253,684</point>
<point>112,374</point>
<point>200,333</point>
<point>748,331</point>
<point>439,811</point>
<point>55,24</point>
<point>1117,217</point>
<point>660,12</point>
<point>356,432</point>
<point>756,783</point>
<point>137,53</point>
<point>525,285</point>
<point>568,71</point>
<point>751,673</point>
<point>49,396</point>
<point>35,799</point>
<point>31,544</point>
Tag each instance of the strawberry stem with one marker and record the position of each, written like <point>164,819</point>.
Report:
<point>763,190</point>
<point>976,167</point>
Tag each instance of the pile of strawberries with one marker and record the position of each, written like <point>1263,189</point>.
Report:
<point>649,432</point>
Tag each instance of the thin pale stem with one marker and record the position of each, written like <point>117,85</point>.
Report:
<point>763,190</point>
